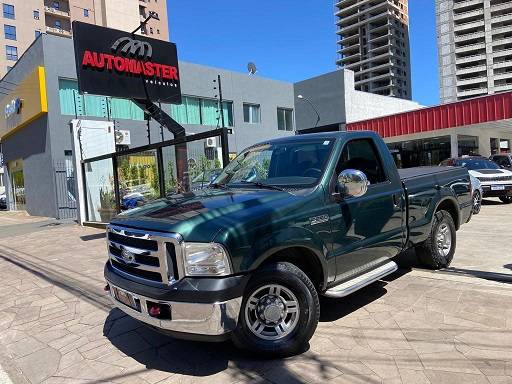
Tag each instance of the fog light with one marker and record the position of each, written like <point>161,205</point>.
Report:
<point>154,311</point>
<point>106,288</point>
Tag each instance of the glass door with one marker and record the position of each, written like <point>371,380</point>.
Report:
<point>18,186</point>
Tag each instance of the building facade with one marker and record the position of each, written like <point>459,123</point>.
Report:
<point>427,136</point>
<point>25,20</point>
<point>373,41</point>
<point>36,138</point>
<point>475,47</point>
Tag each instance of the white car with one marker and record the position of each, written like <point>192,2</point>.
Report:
<point>496,182</point>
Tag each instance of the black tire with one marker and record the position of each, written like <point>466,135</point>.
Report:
<point>428,252</point>
<point>295,281</point>
<point>477,202</point>
<point>506,199</point>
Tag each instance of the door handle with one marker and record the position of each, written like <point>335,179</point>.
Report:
<point>396,200</point>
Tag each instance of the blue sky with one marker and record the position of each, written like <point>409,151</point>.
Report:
<point>288,40</point>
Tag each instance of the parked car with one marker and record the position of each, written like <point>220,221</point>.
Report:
<point>503,160</point>
<point>478,193</point>
<point>3,201</point>
<point>496,182</point>
<point>286,221</point>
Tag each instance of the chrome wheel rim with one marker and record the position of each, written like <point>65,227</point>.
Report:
<point>444,239</point>
<point>272,312</point>
<point>476,201</point>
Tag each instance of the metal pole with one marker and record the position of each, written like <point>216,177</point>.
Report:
<point>149,128</point>
<point>225,147</point>
<point>116,184</point>
<point>161,126</point>
<point>160,167</point>
<point>220,102</point>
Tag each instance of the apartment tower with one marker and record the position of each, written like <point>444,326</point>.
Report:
<point>24,20</point>
<point>373,41</point>
<point>475,47</point>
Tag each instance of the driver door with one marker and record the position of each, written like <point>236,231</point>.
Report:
<point>366,230</point>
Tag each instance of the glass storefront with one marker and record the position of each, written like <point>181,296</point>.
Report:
<point>99,191</point>
<point>468,145</point>
<point>138,179</point>
<point>422,152</point>
<point>19,201</point>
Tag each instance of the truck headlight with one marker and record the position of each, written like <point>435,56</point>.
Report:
<point>206,259</point>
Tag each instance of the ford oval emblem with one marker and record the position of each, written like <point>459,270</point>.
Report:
<point>127,256</point>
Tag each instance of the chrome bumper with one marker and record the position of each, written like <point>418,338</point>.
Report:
<point>194,318</point>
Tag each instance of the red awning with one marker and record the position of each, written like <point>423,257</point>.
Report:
<point>467,112</point>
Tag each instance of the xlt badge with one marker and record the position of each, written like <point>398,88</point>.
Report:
<point>318,219</point>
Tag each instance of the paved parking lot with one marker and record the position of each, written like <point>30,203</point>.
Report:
<point>56,325</point>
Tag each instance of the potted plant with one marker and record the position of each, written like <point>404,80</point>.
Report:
<point>107,208</point>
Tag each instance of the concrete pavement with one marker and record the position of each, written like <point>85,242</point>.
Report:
<point>57,326</point>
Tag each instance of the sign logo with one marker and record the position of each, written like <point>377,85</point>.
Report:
<point>13,108</point>
<point>127,256</point>
<point>115,63</point>
<point>134,48</point>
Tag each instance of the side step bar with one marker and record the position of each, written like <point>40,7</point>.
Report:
<point>359,282</point>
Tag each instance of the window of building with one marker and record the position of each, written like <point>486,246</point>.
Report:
<point>36,15</point>
<point>285,119</point>
<point>10,32</point>
<point>11,53</point>
<point>252,113</point>
<point>202,111</point>
<point>37,34</point>
<point>58,24</point>
<point>74,104</point>
<point>157,31</point>
<point>151,30</point>
<point>8,11</point>
<point>56,5</point>
<point>86,13</point>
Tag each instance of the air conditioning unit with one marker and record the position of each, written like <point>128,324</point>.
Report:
<point>123,137</point>
<point>211,142</point>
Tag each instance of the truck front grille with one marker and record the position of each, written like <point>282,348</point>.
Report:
<point>143,255</point>
<point>497,178</point>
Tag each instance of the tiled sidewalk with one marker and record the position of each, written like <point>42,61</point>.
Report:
<point>56,326</point>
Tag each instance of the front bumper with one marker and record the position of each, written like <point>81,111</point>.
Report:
<point>210,313</point>
<point>490,192</point>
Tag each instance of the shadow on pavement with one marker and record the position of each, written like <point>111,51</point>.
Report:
<point>492,276</point>
<point>192,358</point>
<point>95,236</point>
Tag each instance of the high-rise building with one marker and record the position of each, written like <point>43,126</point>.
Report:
<point>24,20</point>
<point>374,43</point>
<point>475,47</point>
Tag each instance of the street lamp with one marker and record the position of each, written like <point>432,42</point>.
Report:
<point>312,106</point>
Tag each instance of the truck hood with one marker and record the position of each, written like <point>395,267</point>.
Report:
<point>200,215</point>
<point>489,172</point>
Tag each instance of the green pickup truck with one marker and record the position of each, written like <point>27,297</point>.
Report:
<point>286,221</point>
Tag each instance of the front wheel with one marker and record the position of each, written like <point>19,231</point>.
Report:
<point>279,312</point>
<point>506,199</point>
<point>437,251</point>
<point>477,202</point>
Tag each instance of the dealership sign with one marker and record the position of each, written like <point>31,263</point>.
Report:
<point>116,63</point>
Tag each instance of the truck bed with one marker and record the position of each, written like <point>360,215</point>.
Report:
<point>411,173</point>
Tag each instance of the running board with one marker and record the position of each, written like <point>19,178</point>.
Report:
<point>361,281</point>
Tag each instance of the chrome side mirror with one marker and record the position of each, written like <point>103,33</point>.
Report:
<point>352,183</point>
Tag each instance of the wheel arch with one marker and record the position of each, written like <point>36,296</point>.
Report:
<point>450,205</point>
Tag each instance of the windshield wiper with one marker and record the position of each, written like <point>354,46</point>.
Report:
<point>263,185</point>
<point>218,186</point>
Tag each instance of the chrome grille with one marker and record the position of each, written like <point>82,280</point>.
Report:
<point>143,255</point>
<point>498,178</point>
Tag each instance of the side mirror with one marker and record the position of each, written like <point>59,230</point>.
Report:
<point>352,183</point>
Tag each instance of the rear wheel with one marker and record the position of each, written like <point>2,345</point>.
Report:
<point>506,199</point>
<point>279,312</point>
<point>437,251</point>
<point>477,202</point>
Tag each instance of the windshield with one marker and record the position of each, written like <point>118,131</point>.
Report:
<point>292,164</point>
<point>474,164</point>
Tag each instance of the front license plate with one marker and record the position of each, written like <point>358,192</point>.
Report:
<point>497,187</point>
<point>126,298</point>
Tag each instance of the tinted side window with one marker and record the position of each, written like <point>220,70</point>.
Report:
<point>362,155</point>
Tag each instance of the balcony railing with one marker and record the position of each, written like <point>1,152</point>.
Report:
<point>58,31</point>
<point>55,11</point>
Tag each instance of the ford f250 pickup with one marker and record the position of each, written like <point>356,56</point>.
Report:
<point>286,221</point>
